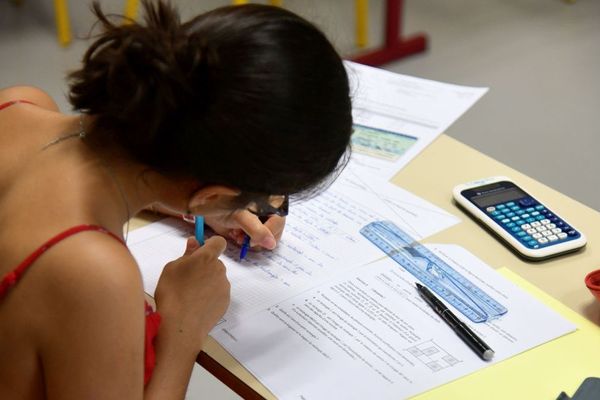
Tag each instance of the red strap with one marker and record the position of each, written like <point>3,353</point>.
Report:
<point>10,103</point>
<point>152,325</point>
<point>11,278</point>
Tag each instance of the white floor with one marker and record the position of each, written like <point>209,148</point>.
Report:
<point>540,58</point>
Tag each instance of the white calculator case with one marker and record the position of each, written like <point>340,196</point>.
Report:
<point>522,221</point>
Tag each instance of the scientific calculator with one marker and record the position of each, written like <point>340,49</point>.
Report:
<point>522,221</point>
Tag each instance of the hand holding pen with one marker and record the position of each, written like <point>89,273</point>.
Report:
<point>267,213</point>
<point>242,225</point>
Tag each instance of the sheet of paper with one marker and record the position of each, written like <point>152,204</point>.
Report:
<point>396,116</point>
<point>540,373</point>
<point>321,239</point>
<point>366,333</point>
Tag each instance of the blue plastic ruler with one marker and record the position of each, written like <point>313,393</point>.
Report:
<point>433,272</point>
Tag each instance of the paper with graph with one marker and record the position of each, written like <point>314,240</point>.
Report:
<point>396,116</point>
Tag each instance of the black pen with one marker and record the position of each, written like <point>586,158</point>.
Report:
<point>459,327</point>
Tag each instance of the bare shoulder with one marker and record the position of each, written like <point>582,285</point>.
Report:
<point>28,93</point>
<point>93,328</point>
<point>90,272</point>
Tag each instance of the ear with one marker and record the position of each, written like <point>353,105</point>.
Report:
<point>211,197</point>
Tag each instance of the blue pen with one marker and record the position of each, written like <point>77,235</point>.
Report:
<point>245,247</point>
<point>199,229</point>
<point>246,243</point>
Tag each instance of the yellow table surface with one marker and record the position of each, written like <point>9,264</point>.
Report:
<point>432,175</point>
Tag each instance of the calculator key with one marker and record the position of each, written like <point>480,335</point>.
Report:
<point>532,243</point>
<point>525,226</point>
<point>540,217</point>
<point>556,230</point>
<point>551,226</point>
<point>516,218</point>
<point>530,219</point>
<point>523,233</point>
<point>545,221</point>
<point>547,233</point>
<point>526,238</point>
<point>505,221</point>
<point>572,232</point>
<point>510,204</point>
<point>515,229</point>
<point>525,216</point>
<point>562,235</point>
<point>510,224</point>
<point>542,240</point>
<point>521,213</point>
<point>535,224</point>
<point>541,228</point>
<point>537,235</point>
<point>510,214</point>
<point>515,208</point>
<point>527,202</point>
<point>544,211</point>
<point>553,238</point>
<point>500,206</point>
<point>539,207</point>
<point>491,210</point>
<point>494,213</point>
<point>530,209</point>
<point>535,213</point>
<point>531,231</point>
<point>499,217</point>
<point>554,219</point>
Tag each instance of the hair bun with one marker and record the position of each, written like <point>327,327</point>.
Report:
<point>138,74</point>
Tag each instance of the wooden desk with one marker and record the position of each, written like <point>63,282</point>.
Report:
<point>432,175</point>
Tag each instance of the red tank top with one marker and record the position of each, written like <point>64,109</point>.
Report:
<point>12,278</point>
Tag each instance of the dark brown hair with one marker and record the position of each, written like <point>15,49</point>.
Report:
<point>252,96</point>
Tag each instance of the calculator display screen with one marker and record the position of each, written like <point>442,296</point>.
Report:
<point>498,196</point>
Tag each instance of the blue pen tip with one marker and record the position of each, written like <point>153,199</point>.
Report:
<point>245,247</point>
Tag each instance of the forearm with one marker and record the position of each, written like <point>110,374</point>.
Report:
<point>174,364</point>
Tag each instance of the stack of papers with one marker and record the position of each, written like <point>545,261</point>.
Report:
<point>326,314</point>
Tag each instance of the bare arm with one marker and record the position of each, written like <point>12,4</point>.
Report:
<point>192,295</point>
<point>94,342</point>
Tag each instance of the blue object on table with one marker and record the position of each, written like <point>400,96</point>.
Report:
<point>432,271</point>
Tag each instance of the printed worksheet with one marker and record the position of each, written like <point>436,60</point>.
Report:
<point>321,239</point>
<point>367,333</point>
<point>396,116</point>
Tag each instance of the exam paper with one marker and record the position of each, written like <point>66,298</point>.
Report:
<point>366,333</point>
<point>321,239</point>
<point>396,116</point>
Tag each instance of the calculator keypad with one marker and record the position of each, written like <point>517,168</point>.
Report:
<point>531,223</point>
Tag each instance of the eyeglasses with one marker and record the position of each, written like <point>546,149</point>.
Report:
<point>271,205</point>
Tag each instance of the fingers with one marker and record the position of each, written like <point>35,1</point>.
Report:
<point>276,225</point>
<point>191,246</point>
<point>215,245</point>
<point>262,234</point>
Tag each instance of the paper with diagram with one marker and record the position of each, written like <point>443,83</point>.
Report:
<point>367,334</point>
<point>396,116</point>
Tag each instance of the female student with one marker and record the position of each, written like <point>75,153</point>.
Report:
<point>221,116</point>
